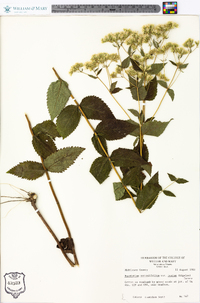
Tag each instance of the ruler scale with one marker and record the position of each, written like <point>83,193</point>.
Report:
<point>104,8</point>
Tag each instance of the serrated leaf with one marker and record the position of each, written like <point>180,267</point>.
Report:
<point>28,170</point>
<point>136,65</point>
<point>100,169</point>
<point>133,177</point>
<point>43,145</point>
<point>149,193</point>
<point>62,159</point>
<point>113,129</point>
<point>168,193</point>
<point>136,131</point>
<point>95,108</point>
<point>154,128</point>
<point>57,96</point>
<point>68,120</point>
<point>120,191</point>
<point>127,158</point>
<point>145,152</point>
<point>151,89</point>
<point>138,93</point>
<point>156,68</point>
<point>48,127</point>
<point>97,145</point>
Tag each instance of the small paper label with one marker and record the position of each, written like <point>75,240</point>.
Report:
<point>160,278</point>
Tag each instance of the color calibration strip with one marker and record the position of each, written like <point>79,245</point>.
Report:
<point>169,7</point>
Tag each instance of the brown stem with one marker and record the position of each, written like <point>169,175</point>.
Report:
<point>54,194</point>
<point>33,203</point>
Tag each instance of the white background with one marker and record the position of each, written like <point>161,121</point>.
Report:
<point>102,228</point>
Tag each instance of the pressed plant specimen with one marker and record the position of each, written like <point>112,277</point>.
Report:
<point>141,60</point>
<point>52,160</point>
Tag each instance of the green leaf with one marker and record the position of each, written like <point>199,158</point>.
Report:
<point>138,93</point>
<point>177,180</point>
<point>132,81</point>
<point>133,177</point>
<point>149,194</point>
<point>134,112</point>
<point>113,85</point>
<point>116,90</point>
<point>171,93</point>
<point>181,181</point>
<point>136,131</point>
<point>156,68</point>
<point>125,63</point>
<point>145,152</point>
<point>172,62</point>
<point>142,52</point>
<point>47,127</point>
<point>172,177</point>
<point>120,191</point>
<point>127,158</point>
<point>155,43</point>
<point>182,66</point>
<point>93,77</point>
<point>68,120</point>
<point>154,128</point>
<point>95,108</point>
<point>43,145</point>
<point>97,146</point>
<point>162,83</point>
<point>62,159</point>
<point>113,129</point>
<point>100,169</point>
<point>136,65</point>
<point>168,193</point>
<point>151,89</point>
<point>57,96</point>
<point>27,170</point>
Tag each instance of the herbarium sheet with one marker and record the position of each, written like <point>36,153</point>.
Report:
<point>100,159</point>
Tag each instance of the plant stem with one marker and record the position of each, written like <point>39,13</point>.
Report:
<point>79,107</point>
<point>54,194</point>
<point>113,166</point>
<point>114,97</point>
<point>33,203</point>
<point>170,85</point>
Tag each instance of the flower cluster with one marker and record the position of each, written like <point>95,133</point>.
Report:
<point>97,60</point>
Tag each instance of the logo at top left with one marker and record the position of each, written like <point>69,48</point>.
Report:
<point>7,9</point>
